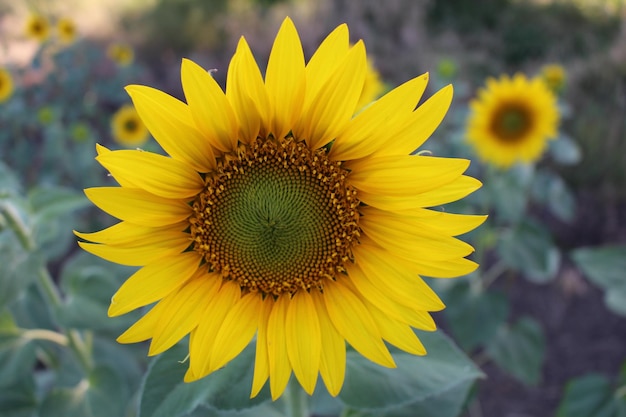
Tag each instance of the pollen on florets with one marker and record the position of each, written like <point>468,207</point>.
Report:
<point>276,217</point>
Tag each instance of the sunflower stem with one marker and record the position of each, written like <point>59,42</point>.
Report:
<point>47,286</point>
<point>296,400</point>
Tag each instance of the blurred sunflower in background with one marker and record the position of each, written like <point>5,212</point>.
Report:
<point>554,76</point>
<point>6,85</point>
<point>66,30</point>
<point>511,120</point>
<point>121,53</point>
<point>279,213</point>
<point>37,27</point>
<point>127,127</point>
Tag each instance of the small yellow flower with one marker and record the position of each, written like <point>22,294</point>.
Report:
<point>554,76</point>
<point>37,27</point>
<point>80,132</point>
<point>282,214</point>
<point>511,120</point>
<point>6,85</point>
<point>46,115</point>
<point>66,29</point>
<point>120,53</point>
<point>127,127</point>
<point>372,88</point>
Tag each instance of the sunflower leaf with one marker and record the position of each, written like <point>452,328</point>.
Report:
<point>435,384</point>
<point>591,395</point>
<point>605,267</point>
<point>564,150</point>
<point>519,349</point>
<point>529,249</point>
<point>164,394</point>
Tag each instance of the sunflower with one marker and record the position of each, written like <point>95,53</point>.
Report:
<point>512,119</point>
<point>128,128</point>
<point>66,29</point>
<point>121,54</point>
<point>279,214</point>
<point>37,27</point>
<point>373,86</point>
<point>554,76</point>
<point>6,85</point>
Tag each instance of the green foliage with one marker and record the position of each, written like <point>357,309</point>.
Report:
<point>519,349</point>
<point>594,395</point>
<point>606,267</point>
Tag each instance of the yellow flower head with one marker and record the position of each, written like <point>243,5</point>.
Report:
<point>121,54</point>
<point>373,86</point>
<point>66,29</point>
<point>37,27</point>
<point>127,127</point>
<point>554,76</point>
<point>279,213</point>
<point>511,120</point>
<point>6,85</point>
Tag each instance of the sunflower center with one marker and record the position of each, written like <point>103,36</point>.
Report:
<point>131,125</point>
<point>276,217</point>
<point>511,123</point>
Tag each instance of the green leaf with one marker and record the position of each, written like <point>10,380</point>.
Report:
<point>18,270</point>
<point>17,358</point>
<point>551,190</point>
<point>164,394</point>
<point>50,202</point>
<point>103,394</point>
<point>519,350</point>
<point>9,183</point>
<point>606,267</point>
<point>89,283</point>
<point>52,218</point>
<point>474,317</point>
<point>589,395</point>
<point>529,248</point>
<point>440,379</point>
<point>564,150</point>
<point>18,398</point>
<point>508,192</point>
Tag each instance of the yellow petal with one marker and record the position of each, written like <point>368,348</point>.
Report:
<point>280,369</point>
<point>419,319</point>
<point>324,61</point>
<point>125,234</point>
<point>101,150</point>
<point>246,93</point>
<point>138,206</point>
<point>351,318</point>
<point>157,174</point>
<point>284,79</point>
<point>449,268</point>
<point>390,233</point>
<point>303,340</point>
<point>142,254</point>
<point>422,123</point>
<point>404,175</point>
<point>333,106</point>
<point>209,107</point>
<point>397,333</point>
<point>202,345</point>
<point>374,127</point>
<point>143,329</point>
<point>420,220</point>
<point>393,278</point>
<point>153,282</point>
<point>333,357</point>
<point>183,311</point>
<point>236,331</point>
<point>169,121</point>
<point>447,193</point>
<point>261,360</point>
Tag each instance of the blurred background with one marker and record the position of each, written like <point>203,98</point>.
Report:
<point>65,93</point>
